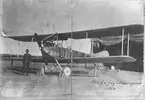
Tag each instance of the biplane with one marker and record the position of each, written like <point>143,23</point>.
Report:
<point>54,53</point>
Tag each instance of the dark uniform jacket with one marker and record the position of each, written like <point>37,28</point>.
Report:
<point>26,58</point>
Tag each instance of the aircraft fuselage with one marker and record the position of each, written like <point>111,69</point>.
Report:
<point>59,52</point>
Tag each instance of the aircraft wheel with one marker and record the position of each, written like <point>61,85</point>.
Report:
<point>67,71</point>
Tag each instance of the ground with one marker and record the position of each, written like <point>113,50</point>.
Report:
<point>82,84</point>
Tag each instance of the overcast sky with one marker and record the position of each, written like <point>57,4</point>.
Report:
<point>25,17</point>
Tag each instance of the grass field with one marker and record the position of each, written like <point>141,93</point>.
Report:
<point>106,85</point>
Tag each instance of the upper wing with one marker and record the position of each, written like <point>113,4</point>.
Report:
<point>94,33</point>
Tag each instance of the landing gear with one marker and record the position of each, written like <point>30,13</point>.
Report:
<point>66,71</point>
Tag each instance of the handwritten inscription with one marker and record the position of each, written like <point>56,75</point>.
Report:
<point>110,85</point>
<point>126,83</point>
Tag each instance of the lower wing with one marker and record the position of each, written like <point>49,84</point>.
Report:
<point>110,59</point>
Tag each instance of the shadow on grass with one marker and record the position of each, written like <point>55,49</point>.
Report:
<point>19,70</point>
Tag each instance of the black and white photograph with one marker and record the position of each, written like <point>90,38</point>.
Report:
<point>72,49</point>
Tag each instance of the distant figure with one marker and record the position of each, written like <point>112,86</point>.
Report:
<point>26,62</point>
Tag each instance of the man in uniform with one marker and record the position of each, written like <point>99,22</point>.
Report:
<point>26,62</point>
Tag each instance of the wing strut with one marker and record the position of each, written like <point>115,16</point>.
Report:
<point>58,64</point>
<point>122,42</point>
<point>85,53</point>
<point>128,45</point>
<point>48,37</point>
<point>86,38</point>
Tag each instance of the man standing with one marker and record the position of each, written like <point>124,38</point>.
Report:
<point>26,62</point>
